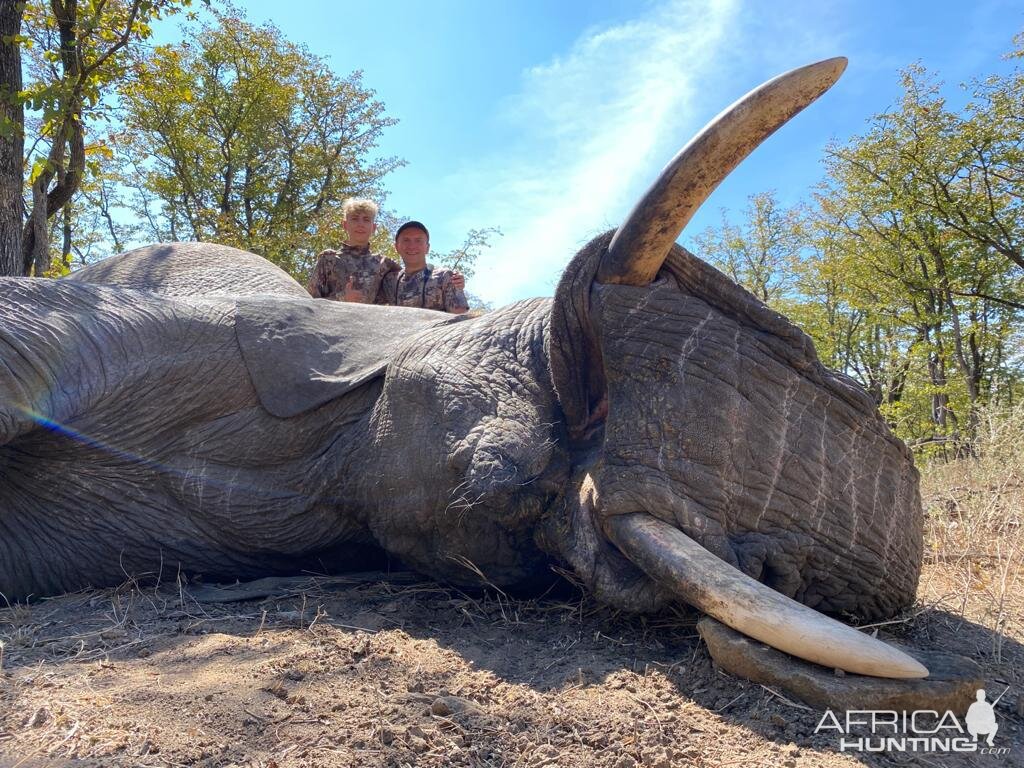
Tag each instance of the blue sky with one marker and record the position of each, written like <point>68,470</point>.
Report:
<point>548,118</point>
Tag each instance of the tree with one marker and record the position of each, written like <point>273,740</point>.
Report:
<point>74,51</point>
<point>973,181</point>
<point>463,259</point>
<point>927,202</point>
<point>240,136</point>
<point>759,254</point>
<point>907,268</point>
<point>835,301</point>
<point>12,137</point>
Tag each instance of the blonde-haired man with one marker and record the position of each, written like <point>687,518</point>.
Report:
<point>352,273</point>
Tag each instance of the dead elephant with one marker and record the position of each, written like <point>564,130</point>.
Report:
<point>653,427</point>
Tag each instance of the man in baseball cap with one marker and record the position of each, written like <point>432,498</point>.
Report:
<point>418,284</point>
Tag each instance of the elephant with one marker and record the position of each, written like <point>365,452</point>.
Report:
<point>653,429</point>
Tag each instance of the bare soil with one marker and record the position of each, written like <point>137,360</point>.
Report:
<point>388,670</point>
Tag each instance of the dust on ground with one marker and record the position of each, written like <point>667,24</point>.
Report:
<point>388,670</point>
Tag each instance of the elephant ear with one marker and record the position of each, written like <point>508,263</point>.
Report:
<point>577,368</point>
<point>302,353</point>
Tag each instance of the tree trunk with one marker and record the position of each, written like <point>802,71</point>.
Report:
<point>12,140</point>
<point>35,240</point>
<point>66,231</point>
<point>35,246</point>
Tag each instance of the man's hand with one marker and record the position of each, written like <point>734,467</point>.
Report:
<point>458,281</point>
<point>351,294</point>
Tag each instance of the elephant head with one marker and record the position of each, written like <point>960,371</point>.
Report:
<point>728,465</point>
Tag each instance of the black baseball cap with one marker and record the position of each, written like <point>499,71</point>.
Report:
<point>412,225</point>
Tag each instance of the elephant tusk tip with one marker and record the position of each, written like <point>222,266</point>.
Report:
<point>907,667</point>
<point>835,67</point>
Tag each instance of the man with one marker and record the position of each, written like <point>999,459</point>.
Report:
<point>417,284</point>
<point>352,273</point>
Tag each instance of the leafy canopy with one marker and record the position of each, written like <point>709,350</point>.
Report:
<point>240,136</point>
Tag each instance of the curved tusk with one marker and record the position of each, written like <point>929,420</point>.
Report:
<point>642,243</point>
<point>710,584</point>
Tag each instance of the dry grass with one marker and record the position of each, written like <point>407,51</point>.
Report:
<point>974,528</point>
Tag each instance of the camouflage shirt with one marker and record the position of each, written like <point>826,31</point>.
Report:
<point>428,288</point>
<point>334,268</point>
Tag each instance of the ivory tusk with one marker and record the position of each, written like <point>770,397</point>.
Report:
<point>642,243</point>
<point>713,586</point>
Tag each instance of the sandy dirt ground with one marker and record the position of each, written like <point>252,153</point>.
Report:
<point>389,670</point>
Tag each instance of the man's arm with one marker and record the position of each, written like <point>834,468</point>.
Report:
<point>316,279</point>
<point>388,272</point>
<point>318,286</point>
<point>388,288</point>
<point>454,297</point>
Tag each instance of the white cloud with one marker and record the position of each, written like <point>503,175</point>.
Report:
<point>593,127</point>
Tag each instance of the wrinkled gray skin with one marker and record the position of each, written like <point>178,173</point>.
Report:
<point>190,407</point>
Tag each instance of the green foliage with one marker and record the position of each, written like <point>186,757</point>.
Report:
<point>760,254</point>
<point>930,217</point>
<point>463,259</point>
<point>239,136</point>
<point>906,268</point>
<point>72,54</point>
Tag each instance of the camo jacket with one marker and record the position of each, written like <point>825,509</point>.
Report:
<point>429,288</point>
<point>367,270</point>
